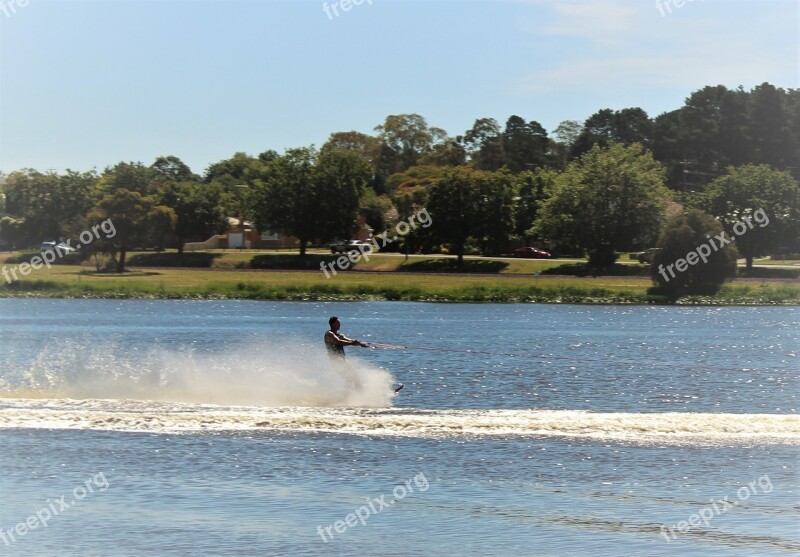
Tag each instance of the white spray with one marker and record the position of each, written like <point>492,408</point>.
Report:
<point>258,374</point>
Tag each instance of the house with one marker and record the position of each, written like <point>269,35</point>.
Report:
<point>245,236</point>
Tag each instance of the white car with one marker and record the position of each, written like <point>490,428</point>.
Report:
<point>59,247</point>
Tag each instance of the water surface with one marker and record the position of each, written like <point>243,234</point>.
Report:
<point>522,429</point>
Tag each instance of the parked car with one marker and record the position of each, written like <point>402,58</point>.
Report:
<point>647,255</point>
<point>347,247</point>
<point>59,247</point>
<point>532,253</point>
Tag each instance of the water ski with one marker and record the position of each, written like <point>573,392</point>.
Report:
<point>399,388</point>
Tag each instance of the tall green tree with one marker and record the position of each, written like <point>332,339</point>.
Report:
<point>135,218</point>
<point>33,198</point>
<point>161,222</point>
<point>131,176</point>
<point>627,126</point>
<point>369,148</point>
<point>285,202</point>
<point>668,146</point>
<point>484,144</point>
<point>340,179</point>
<point>77,194</point>
<point>171,169</point>
<point>610,199</point>
<point>311,196</point>
<point>241,168</point>
<point>268,156</point>
<point>719,127</point>
<point>734,141</point>
<point>365,145</point>
<point>533,189</point>
<point>565,136</point>
<point>453,204</point>
<point>375,209</point>
<point>48,206</point>
<point>700,123</point>
<point>495,212</point>
<point>745,194</point>
<point>793,111</point>
<point>525,144</point>
<point>197,208</point>
<point>769,115</point>
<point>405,138</point>
<point>449,152</point>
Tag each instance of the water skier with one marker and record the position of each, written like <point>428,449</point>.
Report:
<point>335,343</point>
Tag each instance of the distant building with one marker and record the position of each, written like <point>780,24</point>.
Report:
<point>246,236</point>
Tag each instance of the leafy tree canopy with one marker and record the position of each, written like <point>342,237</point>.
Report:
<point>611,199</point>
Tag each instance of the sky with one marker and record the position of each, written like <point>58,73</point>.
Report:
<point>86,84</point>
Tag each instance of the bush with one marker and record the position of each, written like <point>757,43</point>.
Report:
<point>769,273</point>
<point>74,258</point>
<point>308,262</point>
<point>452,266</point>
<point>689,237</point>
<point>585,270</point>
<point>197,260</point>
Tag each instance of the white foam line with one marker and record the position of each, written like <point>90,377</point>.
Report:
<point>140,416</point>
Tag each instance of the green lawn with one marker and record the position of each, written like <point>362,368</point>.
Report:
<point>74,281</point>
<point>770,261</point>
<point>385,277</point>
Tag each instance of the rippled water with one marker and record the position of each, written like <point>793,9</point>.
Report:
<point>522,429</point>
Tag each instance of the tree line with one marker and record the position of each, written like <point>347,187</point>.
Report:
<point>595,188</point>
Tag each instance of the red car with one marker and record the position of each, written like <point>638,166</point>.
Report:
<point>533,253</point>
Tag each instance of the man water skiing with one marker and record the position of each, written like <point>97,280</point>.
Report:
<point>335,343</point>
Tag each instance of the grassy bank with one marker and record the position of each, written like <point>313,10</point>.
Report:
<point>220,283</point>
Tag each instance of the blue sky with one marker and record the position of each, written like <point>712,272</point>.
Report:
<point>86,84</point>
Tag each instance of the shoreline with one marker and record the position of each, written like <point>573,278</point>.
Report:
<point>441,288</point>
<point>277,277</point>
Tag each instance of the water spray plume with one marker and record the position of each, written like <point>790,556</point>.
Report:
<point>259,374</point>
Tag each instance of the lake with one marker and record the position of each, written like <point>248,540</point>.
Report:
<point>219,428</point>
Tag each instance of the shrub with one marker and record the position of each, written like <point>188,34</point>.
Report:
<point>688,237</point>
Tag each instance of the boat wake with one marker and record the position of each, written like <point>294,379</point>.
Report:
<point>267,387</point>
<point>163,417</point>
